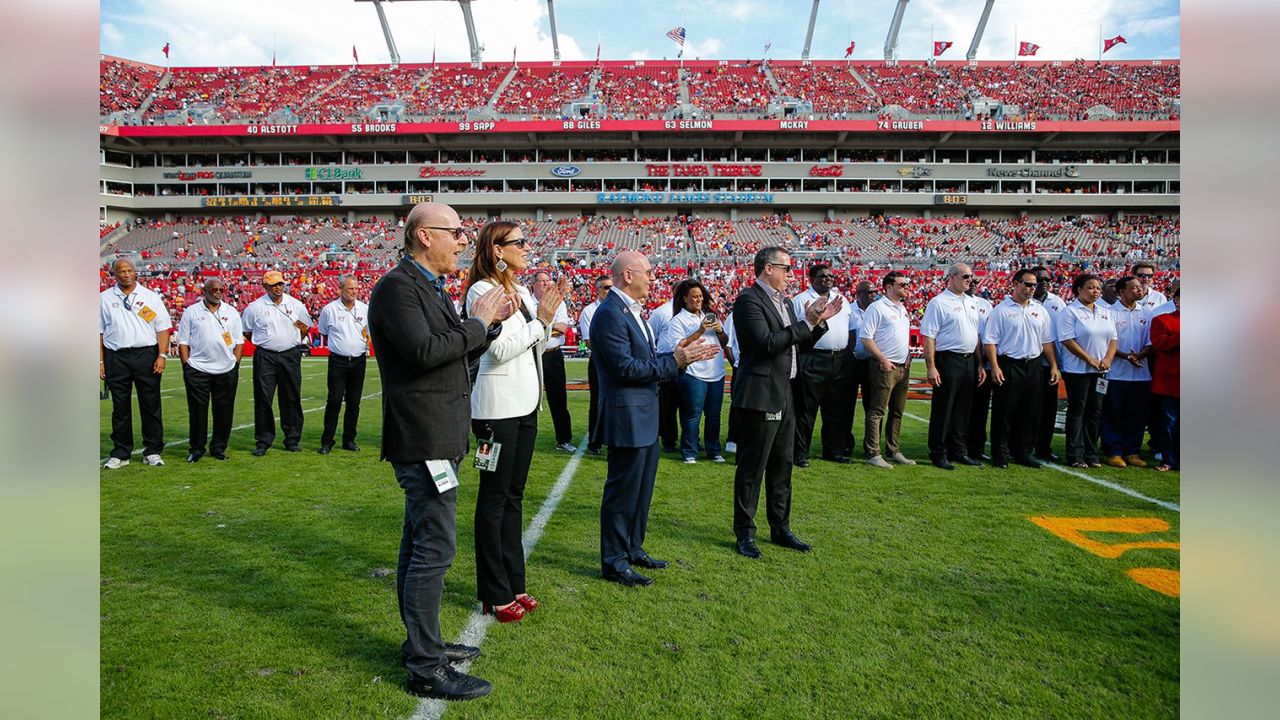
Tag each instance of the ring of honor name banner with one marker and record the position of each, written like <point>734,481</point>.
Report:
<point>270,201</point>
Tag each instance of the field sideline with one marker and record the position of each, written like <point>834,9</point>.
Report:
<point>265,588</point>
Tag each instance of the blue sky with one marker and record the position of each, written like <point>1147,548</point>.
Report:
<point>247,32</point>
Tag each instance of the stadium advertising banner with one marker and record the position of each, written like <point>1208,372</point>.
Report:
<point>684,198</point>
<point>270,201</point>
<point>659,126</point>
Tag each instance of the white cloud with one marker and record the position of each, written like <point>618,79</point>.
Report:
<point>111,35</point>
<point>705,49</point>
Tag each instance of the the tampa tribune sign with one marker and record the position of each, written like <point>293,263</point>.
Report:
<point>1065,171</point>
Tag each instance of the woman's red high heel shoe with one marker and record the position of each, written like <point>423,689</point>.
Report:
<point>511,613</point>
<point>529,602</point>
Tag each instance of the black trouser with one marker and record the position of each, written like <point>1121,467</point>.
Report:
<point>1048,415</point>
<point>127,369</point>
<point>731,434</point>
<point>859,376</point>
<point>668,406</point>
<point>1015,407</point>
<point>593,412</point>
<point>949,410</point>
<point>824,378</point>
<point>346,384</point>
<point>553,378</point>
<point>624,505</point>
<point>203,387</point>
<point>764,451</point>
<point>271,370</point>
<point>427,547</point>
<point>976,437</point>
<point>500,508</point>
<point>1084,416</point>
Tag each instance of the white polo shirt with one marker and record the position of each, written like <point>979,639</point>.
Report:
<point>133,321</point>
<point>1018,331</point>
<point>347,328</point>
<point>856,315</point>
<point>584,320</point>
<point>1093,330</point>
<point>272,325</point>
<point>1164,309</point>
<point>1153,300</point>
<point>837,335</point>
<point>1133,333</point>
<point>886,323</point>
<point>682,326</point>
<point>953,321</point>
<point>212,336</point>
<point>727,324</point>
<point>659,317</point>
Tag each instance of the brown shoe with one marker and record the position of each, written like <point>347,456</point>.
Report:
<point>1135,461</point>
<point>1116,461</point>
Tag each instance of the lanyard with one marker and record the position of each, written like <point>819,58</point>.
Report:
<point>215,315</point>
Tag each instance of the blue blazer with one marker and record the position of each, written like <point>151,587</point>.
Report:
<point>629,370</point>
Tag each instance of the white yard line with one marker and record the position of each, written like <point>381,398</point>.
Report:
<point>478,626</point>
<point>1095,480</point>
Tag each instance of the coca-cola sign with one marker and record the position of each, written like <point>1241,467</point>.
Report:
<point>826,171</point>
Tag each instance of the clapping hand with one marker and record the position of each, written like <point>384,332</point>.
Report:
<point>494,306</point>
<point>551,300</point>
<point>692,353</point>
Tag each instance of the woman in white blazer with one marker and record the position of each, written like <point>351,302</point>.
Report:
<point>504,411</point>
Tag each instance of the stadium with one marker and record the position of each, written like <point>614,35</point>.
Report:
<point>265,587</point>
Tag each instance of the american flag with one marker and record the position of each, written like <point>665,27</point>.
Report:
<point>677,34</point>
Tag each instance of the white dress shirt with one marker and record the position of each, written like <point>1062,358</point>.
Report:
<point>1093,330</point>
<point>133,321</point>
<point>658,319</point>
<point>562,316</point>
<point>886,323</point>
<point>212,336</point>
<point>953,321</point>
<point>637,313</point>
<point>584,320</point>
<point>682,326</point>
<point>1018,331</point>
<point>837,335</point>
<point>346,327</point>
<point>733,338</point>
<point>856,315</point>
<point>271,325</point>
<point>1133,334</point>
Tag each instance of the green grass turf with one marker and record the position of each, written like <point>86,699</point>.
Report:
<point>254,588</point>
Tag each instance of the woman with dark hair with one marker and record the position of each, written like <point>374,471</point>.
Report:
<point>504,417</point>
<point>1166,339</point>
<point>701,386</point>
<point>1088,335</point>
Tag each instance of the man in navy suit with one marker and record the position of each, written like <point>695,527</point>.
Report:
<point>629,372</point>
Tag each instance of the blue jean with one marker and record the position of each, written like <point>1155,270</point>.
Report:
<point>698,398</point>
<point>1167,426</point>
<point>1124,416</point>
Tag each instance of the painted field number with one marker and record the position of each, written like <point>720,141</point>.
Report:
<point>1073,530</point>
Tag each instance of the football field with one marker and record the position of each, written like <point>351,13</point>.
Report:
<point>265,588</point>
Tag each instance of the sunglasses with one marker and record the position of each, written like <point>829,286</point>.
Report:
<point>458,232</point>
<point>521,243</point>
<point>784,268</point>
<point>279,284</point>
<point>1030,284</point>
<point>1147,276</point>
<point>967,276</point>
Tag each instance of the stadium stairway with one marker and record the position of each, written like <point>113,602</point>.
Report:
<point>683,93</point>
<point>151,96</point>
<point>502,87</point>
<point>865,85</point>
<point>315,97</point>
<point>774,87</point>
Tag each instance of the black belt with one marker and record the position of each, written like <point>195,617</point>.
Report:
<point>296,348</point>
<point>349,357</point>
<point>957,353</point>
<point>1007,358</point>
<point>827,352</point>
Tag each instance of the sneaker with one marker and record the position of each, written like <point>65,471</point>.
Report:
<point>1135,461</point>
<point>877,461</point>
<point>731,448</point>
<point>717,458</point>
<point>901,459</point>
<point>153,460</point>
<point>1116,461</point>
<point>449,684</point>
<point>567,447</point>
<point>115,463</point>
<point>691,461</point>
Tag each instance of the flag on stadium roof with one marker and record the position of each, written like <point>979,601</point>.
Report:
<point>941,46</point>
<point>768,44</point>
<point>1027,48</point>
<point>354,56</point>
<point>165,49</point>
<point>849,50</point>
<point>677,34</point>
<point>1112,42</point>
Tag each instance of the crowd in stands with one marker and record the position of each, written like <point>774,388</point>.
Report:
<point>728,88</point>
<point>543,91</point>
<point>450,90</point>
<point>124,85</point>
<point>831,88</point>
<point>637,92</point>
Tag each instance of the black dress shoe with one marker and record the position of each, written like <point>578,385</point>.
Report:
<point>1048,457</point>
<point>645,561</point>
<point>789,540</point>
<point>747,547</point>
<point>326,449</point>
<point>292,448</point>
<point>1028,461</point>
<point>802,462</point>
<point>630,578</point>
<point>593,451</point>
<point>449,684</point>
<point>259,451</point>
<point>351,446</point>
<point>966,460</point>
<point>943,464</point>
<point>194,457</point>
<point>1000,462</point>
<point>218,455</point>
<point>459,653</point>
<point>842,459</point>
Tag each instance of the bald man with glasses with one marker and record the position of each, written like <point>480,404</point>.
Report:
<point>953,366</point>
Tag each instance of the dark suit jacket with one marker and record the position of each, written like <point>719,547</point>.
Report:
<point>629,370</point>
<point>423,349</point>
<point>762,381</point>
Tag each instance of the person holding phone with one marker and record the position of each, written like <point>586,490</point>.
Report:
<point>701,387</point>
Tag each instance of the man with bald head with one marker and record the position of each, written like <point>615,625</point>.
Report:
<point>423,351</point>
<point>210,344</point>
<point>953,365</point>
<point>133,340</point>
<point>629,370</point>
<point>344,323</point>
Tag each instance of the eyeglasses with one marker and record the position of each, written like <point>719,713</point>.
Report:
<point>216,290</point>
<point>902,284</point>
<point>1147,276</point>
<point>784,268</point>
<point>967,276</point>
<point>521,243</point>
<point>458,232</point>
<point>1042,281</point>
<point>1030,284</point>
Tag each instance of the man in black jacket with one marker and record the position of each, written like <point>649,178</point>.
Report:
<point>423,349</point>
<point>769,338</point>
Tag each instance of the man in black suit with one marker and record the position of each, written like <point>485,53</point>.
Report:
<point>769,338</point>
<point>423,349</point>
<point>629,371</point>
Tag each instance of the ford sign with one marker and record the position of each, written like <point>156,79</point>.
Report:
<point>566,171</point>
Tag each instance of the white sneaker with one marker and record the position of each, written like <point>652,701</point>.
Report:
<point>731,448</point>
<point>567,447</point>
<point>877,461</point>
<point>690,461</point>
<point>717,458</point>
<point>153,460</point>
<point>902,459</point>
<point>115,463</point>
